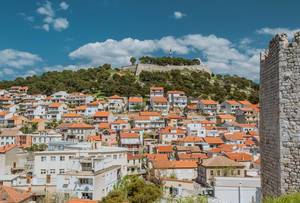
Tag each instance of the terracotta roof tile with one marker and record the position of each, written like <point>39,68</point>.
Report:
<point>158,99</point>
<point>135,99</point>
<point>101,114</point>
<point>181,164</point>
<point>240,156</point>
<point>164,149</point>
<point>213,140</point>
<point>208,102</point>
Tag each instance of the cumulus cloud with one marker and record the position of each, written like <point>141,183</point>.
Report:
<point>274,31</point>
<point>49,17</point>
<point>178,15</point>
<point>220,54</point>
<point>17,59</point>
<point>63,5</point>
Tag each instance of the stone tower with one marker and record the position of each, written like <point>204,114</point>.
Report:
<point>280,116</point>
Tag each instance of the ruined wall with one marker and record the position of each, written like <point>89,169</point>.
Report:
<point>280,116</point>
<point>151,67</point>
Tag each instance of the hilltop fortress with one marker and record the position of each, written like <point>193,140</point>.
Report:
<point>138,68</point>
<point>280,116</point>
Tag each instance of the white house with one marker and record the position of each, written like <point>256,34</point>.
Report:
<point>177,98</point>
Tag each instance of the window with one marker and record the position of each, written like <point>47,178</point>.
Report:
<point>239,172</point>
<point>211,172</point>
<point>43,171</point>
<point>115,156</point>
<point>53,158</point>
<point>62,158</point>
<point>43,158</point>
<point>52,171</point>
<point>61,171</point>
<point>219,172</point>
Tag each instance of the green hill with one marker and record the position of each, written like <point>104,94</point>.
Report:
<point>105,81</point>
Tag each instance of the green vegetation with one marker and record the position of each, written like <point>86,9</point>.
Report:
<point>37,148</point>
<point>289,198</point>
<point>192,199</point>
<point>29,128</point>
<point>163,61</point>
<point>105,81</point>
<point>133,189</point>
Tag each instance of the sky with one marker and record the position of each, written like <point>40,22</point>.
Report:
<point>39,35</point>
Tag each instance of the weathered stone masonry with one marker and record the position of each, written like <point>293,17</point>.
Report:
<point>280,116</point>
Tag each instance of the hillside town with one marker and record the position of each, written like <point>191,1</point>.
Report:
<point>79,146</point>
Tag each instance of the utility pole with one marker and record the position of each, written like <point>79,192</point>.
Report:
<point>239,192</point>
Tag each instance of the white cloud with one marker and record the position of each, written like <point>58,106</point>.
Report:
<point>50,19</point>
<point>63,5</point>
<point>178,15</point>
<point>274,31</point>
<point>17,59</point>
<point>221,55</point>
<point>60,24</point>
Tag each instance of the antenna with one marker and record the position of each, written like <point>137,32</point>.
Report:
<point>171,53</point>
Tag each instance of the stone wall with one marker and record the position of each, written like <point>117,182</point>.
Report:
<point>151,67</point>
<point>280,116</point>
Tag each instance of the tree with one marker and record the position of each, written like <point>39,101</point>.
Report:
<point>133,189</point>
<point>132,60</point>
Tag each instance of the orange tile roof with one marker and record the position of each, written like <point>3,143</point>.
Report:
<point>134,156</point>
<point>164,149</point>
<point>220,161</point>
<point>104,125</point>
<point>149,113</point>
<point>226,147</point>
<point>115,97</point>
<point>192,156</point>
<point>71,115</point>
<point>129,135</point>
<point>135,99</point>
<point>12,195</point>
<point>7,148</point>
<point>249,142</point>
<point>81,201</point>
<point>168,130</point>
<point>81,108</point>
<point>156,88</point>
<point>181,164</point>
<point>240,156</point>
<point>81,126</point>
<point>101,114</point>
<point>3,113</point>
<point>206,122</point>
<point>158,99</point>
<point>213,140</point>
<point>175,92</point>
<point>55,105</point>
<point>95,138</point>
<point>191,139</point>
<point>245,103</point>
<point>208,102</point>
<point>225,116</point>
<point>234,136</point>
<point>232,102</point>
<point>157,157</point>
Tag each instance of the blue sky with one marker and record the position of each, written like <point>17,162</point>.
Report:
<point>39,36</point>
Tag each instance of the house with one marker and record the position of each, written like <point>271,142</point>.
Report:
<point>209,107</point>
<point>4,101</point>
<point>135,104</point>
<point>135,164</point>
<point>234,138</point>
<point>189,141</point>
<point>230,106</point>
<point>156,92</point>
<point>12,195</point>
<point>12,159</point>
<point>78,99</point>
<point>177,99</point>
<point>116,104</point>
<point>72,118</point>
<point>120,125</point>
<point>55,111</point>
<point>159,103</point>
<point>211,142</point>
<point>4,116</point>
<point>243,158</point>
<point>195,129</point>
<point>60,156</point>
<point>245,104</point>
<point>88,177</point>
<point>18,89</point>
<point>222,118</point>
<point>132,141</point>
<point>45,137</point>
<point>218,166</point>
<point>181,170</point>
<point>169,134</point>
<point>149,120</point>
<point>247,115</point>
<point>79,132</point>
<point>59,97</point>
<point>102,117</point>
<point>93,107</point>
